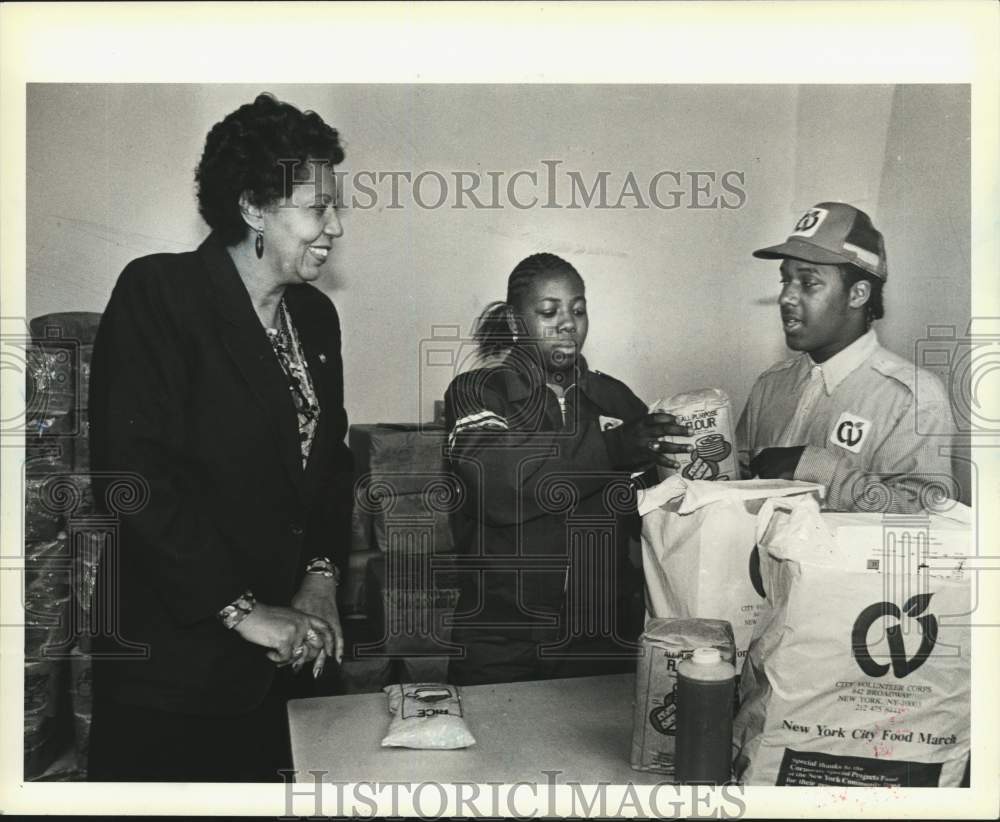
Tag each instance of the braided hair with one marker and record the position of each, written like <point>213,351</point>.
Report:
<point>498,327</point>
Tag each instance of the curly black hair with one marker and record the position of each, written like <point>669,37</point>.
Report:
<point>250,150</point>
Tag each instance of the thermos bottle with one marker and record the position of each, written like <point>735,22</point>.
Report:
<point>704,717</point>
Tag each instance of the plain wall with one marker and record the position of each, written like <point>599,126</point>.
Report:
<point>676,300</point>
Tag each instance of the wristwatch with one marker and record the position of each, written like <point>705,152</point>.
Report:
<point>322,566</point>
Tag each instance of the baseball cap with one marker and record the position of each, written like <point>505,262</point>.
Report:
<point>833,234</point>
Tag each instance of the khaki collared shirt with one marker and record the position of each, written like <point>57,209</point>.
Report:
<point>878,436</point>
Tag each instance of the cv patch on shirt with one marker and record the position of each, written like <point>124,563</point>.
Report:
<point>607,423</point>
<point>850,432</point>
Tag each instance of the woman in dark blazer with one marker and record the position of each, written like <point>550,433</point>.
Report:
<point>217,436</point>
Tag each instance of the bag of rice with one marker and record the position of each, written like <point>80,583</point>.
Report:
<point>665,643</point>
<point>698,554</point>
<point>860,674</point>
<point>709,414</point>
<point>426,715</point>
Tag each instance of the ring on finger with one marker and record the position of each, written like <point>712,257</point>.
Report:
<point>311,635</point>
<point>652,445</point>
<point>298,650</point>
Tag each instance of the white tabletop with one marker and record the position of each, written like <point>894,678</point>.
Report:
<point>580,727</point>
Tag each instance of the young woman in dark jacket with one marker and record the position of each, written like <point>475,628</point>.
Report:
<point>546,450</point>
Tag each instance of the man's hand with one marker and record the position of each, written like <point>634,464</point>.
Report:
<point>777,463</point>
<point>641,443</point>
<point>289,634</point>
<point>317,595</point>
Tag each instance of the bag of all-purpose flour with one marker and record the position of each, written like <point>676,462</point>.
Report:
<point>859,675</point>
<point>698,550</point>
<point>665,643</point>
<point>709,415</point>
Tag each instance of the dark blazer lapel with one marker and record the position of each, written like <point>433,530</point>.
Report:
<point>247,344</point>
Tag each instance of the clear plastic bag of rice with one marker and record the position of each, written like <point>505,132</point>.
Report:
<point>426,715</point>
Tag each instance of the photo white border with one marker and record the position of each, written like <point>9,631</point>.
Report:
<point>718,42</point>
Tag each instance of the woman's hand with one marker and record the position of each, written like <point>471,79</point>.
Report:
<point>289,634</point>
<point>641,440</point>
<point>317,595</point>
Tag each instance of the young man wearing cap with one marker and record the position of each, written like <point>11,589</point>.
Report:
<point>844,411</point>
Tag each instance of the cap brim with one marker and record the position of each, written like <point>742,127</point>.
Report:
<point>801,250</point>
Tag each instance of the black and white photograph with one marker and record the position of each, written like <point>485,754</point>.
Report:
<point>487,443</point>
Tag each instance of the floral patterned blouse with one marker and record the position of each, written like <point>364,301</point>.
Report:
<point>288,349</point>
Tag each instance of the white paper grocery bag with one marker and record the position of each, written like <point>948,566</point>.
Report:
<point>698,541</point>
<point>859,675</point>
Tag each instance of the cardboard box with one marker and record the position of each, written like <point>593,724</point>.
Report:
<point>352,597</point>
<point>365,676</point>
<point>404,459</point>
<point>66,327</point>
<point>412,523</point>
<point>409,605</point>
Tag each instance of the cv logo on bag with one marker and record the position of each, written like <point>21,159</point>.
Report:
<point>850,432</point>
<point>756,577</point>
<point>900,663</point>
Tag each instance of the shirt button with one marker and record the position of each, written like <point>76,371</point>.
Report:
<point>296,530</point>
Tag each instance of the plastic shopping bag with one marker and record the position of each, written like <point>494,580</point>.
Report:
<point>698,555</point>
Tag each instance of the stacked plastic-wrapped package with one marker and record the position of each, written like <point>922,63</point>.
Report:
<point>58,576</point>
<point>47,604</point>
